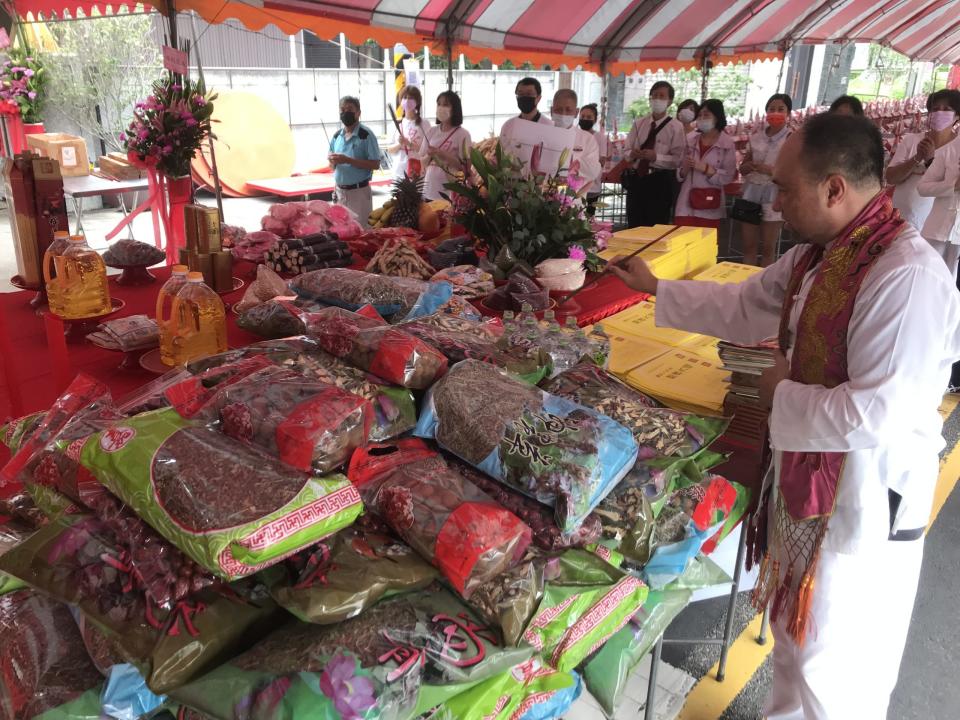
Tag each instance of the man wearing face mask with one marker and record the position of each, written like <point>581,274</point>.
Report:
<point>656,144</point>
<point>868,321</point>
<point>585,162</point>
<point>528,98</point>
<point>354,155</point>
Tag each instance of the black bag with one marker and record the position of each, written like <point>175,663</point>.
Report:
<point>747,211</point>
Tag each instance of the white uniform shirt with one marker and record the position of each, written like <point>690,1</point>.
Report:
<point>903,336</point>
<point>414,133</point>
<point>456,141</point>
<point>507,130</point>
<point>914,207</point>
<point>939,182</point>
<point>670,143</point>
<point>601,139</point>
<point>587,153</point>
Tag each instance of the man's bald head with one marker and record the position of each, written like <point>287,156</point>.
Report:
<point>846,145</point>
<point>565,95</point>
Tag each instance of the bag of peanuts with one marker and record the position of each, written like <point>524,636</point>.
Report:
<point>439,513</point>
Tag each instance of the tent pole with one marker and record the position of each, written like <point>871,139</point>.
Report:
<point>449,62</point>
<point>172,17</point>
<point>603,92</point>
<point>704,74</point>
<point>217,188</point>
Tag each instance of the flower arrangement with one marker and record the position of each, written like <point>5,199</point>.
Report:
<point>169,126</point>
<point>532,217</point>
<point>23,82</point>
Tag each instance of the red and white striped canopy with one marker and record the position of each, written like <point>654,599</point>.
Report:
<point>623,34</point>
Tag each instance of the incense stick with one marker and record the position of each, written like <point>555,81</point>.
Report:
<point>620,263</point>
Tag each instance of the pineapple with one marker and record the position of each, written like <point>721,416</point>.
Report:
<point>408,194</point>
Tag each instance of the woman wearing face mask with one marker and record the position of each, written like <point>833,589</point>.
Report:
<point>408,145</point>
<point>916,153</point>
<point>448,145</point>
<point>687,114</point>
<point>941,182</point>
<point>757,170</point>
<point>710,163</point>
<point>588,123</point>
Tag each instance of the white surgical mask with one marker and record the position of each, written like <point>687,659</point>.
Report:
<point>705,126</point>
<point>686,116</point>
<point>941,119</point>
<point>443,113</point>
<point>659,106</point>
<point>563,121</point>
<point>409,105</point>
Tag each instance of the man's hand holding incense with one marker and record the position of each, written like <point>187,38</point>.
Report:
<point>635,274</point>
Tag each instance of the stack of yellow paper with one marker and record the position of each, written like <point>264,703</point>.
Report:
<point>728,272</point>
<point>702,254</point>
<point>629,351</point>
<point>682,380</point>
<point>633,238</point>
<point>682,254</point>
<point>639,322</point>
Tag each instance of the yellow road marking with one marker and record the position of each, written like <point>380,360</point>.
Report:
<point>709,698</point>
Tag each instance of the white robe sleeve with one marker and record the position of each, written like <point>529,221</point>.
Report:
<point>903,325</point>
<point>745,313</point>
<point>589,157</point>
<point>937,182</point>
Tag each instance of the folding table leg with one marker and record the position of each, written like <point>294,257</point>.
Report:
<point>652,681</point>
<point>78,212</point>
<point>732,604</point>
<point>764,626</point>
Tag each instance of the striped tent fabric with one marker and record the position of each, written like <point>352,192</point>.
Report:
<point>623,35</point>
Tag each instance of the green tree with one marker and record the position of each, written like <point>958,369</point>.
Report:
<point>102,68</point>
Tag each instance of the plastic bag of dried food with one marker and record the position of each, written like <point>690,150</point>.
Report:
<point>307,424</point>
<point>530,691</point>
<point>345,575</point>
<point>394,298</point>
<point>474,343</point>
<point>399,659</point>
<point>582,608</point>
<point>80,560</point>
<point>690,516</point>
<point>11,535</point>
<point>231,508</point>
<point>658,431</point>
<point>540,518</point>
<point>16,431</point>
<point>396,411</point>
<point>607,673</point>
<point>509,600</point>
<point>388,352</point>
<point>560,453</point>
<point>267,286</point>
<point>433,508</point>
<point>43,663</point>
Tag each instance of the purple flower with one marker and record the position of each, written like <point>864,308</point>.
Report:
<point>32,95</point>
<point>191,121</point>
<point>352,695</point>
<point>167,149</point>
<point>577,253</point>
<point>28,72</point>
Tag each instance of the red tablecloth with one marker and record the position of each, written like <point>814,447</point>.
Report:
<point>28,365</point>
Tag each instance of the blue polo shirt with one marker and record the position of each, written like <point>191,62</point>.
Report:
<point>362,145</point>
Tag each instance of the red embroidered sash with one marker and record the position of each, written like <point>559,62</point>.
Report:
<point>808,481</point>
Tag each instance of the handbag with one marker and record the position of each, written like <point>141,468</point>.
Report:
<point>705,198</point>
<point>747,211</point>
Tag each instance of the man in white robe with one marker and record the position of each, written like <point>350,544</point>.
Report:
<point>585,160</point>
<point>901,339</point>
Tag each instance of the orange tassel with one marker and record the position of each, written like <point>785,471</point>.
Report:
<point>767,579</point>
<point>784,592</point>
<point>801,614</point>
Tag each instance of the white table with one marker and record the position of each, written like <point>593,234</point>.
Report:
<point>78,188</point>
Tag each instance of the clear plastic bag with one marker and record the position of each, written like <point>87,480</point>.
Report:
<point>231,508</point>
<point>441,515</point>
<point>394,298</point>
<point>308,425</point>
<point>659,431</point>
<point>388,352</point>
<point>43,661</point>
<point>549,448</point>
<point>399,659</point>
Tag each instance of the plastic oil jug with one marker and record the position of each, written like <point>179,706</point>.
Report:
<point>54,250</point>
<point>198,322</point>
<point>77,282</point>
<point>177,279</point>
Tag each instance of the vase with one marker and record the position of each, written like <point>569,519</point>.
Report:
<point>179,193</point>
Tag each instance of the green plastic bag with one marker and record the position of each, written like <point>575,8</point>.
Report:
<point>231,508</point>
<point>11,535</point>
<point>16,431</point>
<point>400,658</point>
<point>582,607</point>
<point>347,574</point>
<point>606,673</point>
<point>78,560</point>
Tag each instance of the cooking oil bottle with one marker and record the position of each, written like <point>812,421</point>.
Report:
<point>198,323</point>
<point>77,283</point>
<point>54,250</point>
<point>177,279</point>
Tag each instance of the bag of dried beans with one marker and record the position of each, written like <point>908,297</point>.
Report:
<point>439,513</point>
<point>231,508</point>
<point>560,453</point>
